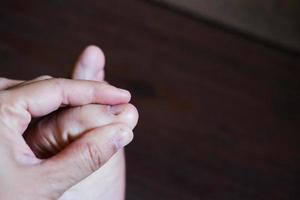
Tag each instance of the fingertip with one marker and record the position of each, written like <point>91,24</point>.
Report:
<point>90,65</point>
<point>131,114</point>
<point>115,135</point>
<point>126,93</point>
<point>126,113</point>
<point>117,95</point>
<point>123,136</point>
<point>93,52</point>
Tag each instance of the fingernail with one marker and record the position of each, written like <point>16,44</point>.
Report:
<point>125,92</point>
<point>116,110</point>
<point>123,137</point>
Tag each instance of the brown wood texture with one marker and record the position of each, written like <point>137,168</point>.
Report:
<point>277,21</point>
<point>219,114</point>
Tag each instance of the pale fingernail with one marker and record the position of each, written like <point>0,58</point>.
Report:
<point>123,137</point>
<point>125,92</point>
<point>117,109</point>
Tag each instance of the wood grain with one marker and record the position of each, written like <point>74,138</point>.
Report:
<point>219,114</point>
<point>277,21</point>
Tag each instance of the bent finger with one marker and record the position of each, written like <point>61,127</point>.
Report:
<point>50,135</point>
<point>43,97</point>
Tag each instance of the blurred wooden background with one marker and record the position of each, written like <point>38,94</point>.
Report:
<point>277,21</point>
<point>219,113</point>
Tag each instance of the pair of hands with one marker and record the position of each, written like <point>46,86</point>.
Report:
<point>63,148</point>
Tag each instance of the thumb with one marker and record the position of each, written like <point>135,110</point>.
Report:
<point>90,65</point>
<point>85,155</point>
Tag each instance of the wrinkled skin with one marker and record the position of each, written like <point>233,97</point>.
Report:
<point>53,133</point>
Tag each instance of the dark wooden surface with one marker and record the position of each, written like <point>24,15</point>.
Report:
<point>219,114</point>
<point>277,21</point>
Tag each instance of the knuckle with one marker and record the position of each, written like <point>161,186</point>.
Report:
<point>6,100</point>
<point>82,116</point>
<point>10,114</point>
<point>58,85</point>
<point>3,94</point>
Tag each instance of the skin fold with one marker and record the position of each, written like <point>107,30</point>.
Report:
<point>52,134</point>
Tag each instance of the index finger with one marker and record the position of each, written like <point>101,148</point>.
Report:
<point>43,97</point>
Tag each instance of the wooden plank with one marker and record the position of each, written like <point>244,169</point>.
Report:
<point>276,21</point>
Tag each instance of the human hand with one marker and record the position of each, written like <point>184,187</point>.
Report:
<point>32,178</point>
<point>108,182</point>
